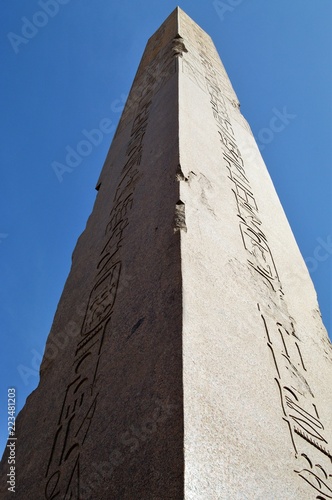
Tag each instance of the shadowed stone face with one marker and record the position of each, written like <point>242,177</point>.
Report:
<point>191,359</point>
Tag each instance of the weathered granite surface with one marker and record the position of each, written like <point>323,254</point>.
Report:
<point>187,358</point>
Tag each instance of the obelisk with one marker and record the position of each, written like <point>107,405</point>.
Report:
<point>187,358</point>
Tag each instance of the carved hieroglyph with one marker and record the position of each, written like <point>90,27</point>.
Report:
<point>187,358</point>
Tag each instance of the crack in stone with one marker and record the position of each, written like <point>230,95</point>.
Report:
<point>180,217</point>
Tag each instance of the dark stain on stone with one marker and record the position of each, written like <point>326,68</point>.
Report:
<point>136,326</point>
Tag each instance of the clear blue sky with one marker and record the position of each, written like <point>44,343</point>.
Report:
<point>75,69</point>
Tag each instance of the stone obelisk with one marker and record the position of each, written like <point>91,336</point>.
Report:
<point>187,358</point>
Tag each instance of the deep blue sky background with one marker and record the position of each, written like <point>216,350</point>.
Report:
<point>76,70</point>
